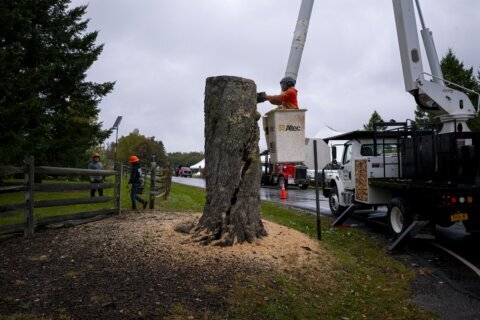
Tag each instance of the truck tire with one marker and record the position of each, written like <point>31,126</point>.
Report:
<point>399,217</point>
<point>304,186</point>
<point>333,202</point>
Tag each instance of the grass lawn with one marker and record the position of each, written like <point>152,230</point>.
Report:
<point>367,283</point>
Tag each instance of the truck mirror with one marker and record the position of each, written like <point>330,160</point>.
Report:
<point>334,153</point>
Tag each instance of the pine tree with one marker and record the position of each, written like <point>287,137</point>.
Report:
<point>374,118</point>
<point>454,71</point>
<point>47,108</point>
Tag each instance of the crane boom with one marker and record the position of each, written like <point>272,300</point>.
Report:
<point>451,106</point>
<point>299,38</point>
<point>430,49</point>
<point>408,42</point>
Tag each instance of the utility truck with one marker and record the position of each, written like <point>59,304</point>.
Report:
<point>283,174</point>
<point>285,135</point>
<point>285,128</point>
<point>424,176</point>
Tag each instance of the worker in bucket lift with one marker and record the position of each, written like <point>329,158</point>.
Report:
<point>288,98</point>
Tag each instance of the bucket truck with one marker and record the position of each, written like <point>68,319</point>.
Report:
<point>423,177</point>
<point>285,129</point>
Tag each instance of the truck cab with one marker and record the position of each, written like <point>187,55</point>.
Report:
<point>283,173</point>
<point>363,158</point>
<point>418,175</point>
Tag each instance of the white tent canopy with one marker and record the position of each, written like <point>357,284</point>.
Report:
<point>199,165</point>
<point>325,132</point>
<point>323,149</point>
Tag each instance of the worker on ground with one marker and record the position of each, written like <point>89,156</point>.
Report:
<point>288,98</point>
<point>136,182</point>
<point>95,180</point>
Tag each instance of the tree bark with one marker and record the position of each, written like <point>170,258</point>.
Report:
<point>233,171</point>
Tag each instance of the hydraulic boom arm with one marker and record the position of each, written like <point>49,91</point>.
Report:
<point>299,38</point>
<point>451,106</point>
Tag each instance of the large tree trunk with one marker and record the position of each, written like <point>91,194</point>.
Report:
<point>232,162</point>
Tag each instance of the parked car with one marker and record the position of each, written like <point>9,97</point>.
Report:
<point>185,172</point>
<point>177,169</point>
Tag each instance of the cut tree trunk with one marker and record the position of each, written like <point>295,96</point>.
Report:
<point>232,162</point>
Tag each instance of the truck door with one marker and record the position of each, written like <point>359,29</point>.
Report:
<point>346,171</point>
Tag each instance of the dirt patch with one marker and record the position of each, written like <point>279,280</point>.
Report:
<point>137,265</point>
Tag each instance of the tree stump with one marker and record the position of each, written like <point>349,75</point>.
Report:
<point>232,162</point>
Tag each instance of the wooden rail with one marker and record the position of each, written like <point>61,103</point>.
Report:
<point>157,185</point>
<point>30,189</point>
<point>157,182</point>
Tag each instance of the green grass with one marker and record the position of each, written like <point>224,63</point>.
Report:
<point>183,198</point>
<point>366,284</point>
<point>18,197</point>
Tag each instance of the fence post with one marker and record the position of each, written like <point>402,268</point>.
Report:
<point>29,200</point>
<point>169,175</point>
<point>118,187</point>
<point>153,173</point>
<point>166,174</point>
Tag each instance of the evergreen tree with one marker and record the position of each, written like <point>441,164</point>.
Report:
<point>47,108</point>
<point>454,71</point>
<point>374,119</point>
<point>425,120</point>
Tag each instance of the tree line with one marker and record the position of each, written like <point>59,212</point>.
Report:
<point>147,147</point>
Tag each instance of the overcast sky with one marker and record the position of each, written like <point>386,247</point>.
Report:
<point>160,52</point>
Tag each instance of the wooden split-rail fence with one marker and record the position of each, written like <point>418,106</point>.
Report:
<point>157,186</point>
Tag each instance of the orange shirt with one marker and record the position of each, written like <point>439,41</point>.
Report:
<point>288,99</point>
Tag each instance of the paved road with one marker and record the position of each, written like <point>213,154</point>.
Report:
<point>303,199</point>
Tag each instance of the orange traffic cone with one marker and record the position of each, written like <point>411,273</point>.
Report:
<point>283,192</point>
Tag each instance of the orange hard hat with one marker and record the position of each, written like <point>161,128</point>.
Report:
<point>133,159</point>
<point>95,155</point>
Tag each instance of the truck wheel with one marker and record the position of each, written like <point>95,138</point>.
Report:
<point>398,217</point>
<point>304,186</point>
<point>333,201</point>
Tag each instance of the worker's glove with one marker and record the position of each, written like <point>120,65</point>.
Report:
<point>261,97</point>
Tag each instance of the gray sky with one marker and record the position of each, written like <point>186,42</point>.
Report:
<point>160,53</point>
